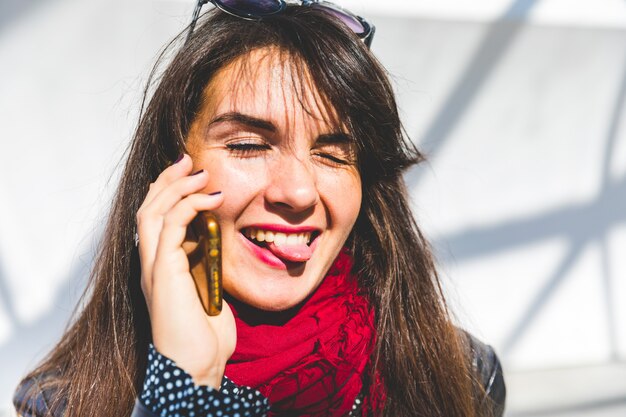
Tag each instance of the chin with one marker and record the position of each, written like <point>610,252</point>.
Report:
<point>273,301</point>
<point>275,307</point>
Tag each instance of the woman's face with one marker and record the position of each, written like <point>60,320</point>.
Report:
<point>291,188</point>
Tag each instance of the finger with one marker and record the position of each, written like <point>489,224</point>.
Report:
<point>175,191</point>
<point>224,326</point>
<point>150,216</point>
<point>170,174</point>
<point>176,221</point>
<point>148,230</point>
<point>170,254</point>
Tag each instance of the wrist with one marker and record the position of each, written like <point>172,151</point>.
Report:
<point>203,366</point>
<point>211,377</point>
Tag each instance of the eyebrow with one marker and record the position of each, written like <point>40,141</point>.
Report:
<point>334,138</point>
<point>255,122</point>
<point>245,120</point>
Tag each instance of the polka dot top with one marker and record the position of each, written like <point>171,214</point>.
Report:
<point>170,391</point>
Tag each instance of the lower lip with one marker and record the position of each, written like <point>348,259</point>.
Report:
<point>267,257</point>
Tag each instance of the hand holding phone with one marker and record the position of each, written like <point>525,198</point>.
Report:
<point>181,329</point>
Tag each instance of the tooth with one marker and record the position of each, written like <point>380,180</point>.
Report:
<point>307,237</point>
<point>251,233</point>
<point>292,239</point>
<point>280,239</point>
<point>269,236</point>
<point>260,236</point>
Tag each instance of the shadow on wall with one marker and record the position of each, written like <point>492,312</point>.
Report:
<point>497,40</point>
<point>581,224</point>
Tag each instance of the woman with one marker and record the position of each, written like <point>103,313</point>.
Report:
<point>286,129</point>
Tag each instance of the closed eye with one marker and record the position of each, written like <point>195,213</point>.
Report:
<point>333,159</point>
<point>244,149</point>
<point>336,149</point>
<point>335,153</point>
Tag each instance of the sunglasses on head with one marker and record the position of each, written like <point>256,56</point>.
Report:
<point>257,9</point>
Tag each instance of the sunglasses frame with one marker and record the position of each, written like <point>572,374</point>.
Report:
<point>366,36</point>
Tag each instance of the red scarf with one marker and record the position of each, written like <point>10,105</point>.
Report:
<point>311,360</point>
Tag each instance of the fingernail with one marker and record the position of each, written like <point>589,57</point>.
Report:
<point>180,158</point>
<point>198,172</point>
<point>216,193</point>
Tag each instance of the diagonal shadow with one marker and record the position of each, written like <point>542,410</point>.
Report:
<point>607,274</point>
<point>576,222</point>
<point>607,287</point>
<point>613,130</point>
<point>579,224</point>
<point>501,34</point>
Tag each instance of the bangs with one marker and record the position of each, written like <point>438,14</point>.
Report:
<point>290,72</point>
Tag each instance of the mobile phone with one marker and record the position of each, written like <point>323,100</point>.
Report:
<point>206,262</point>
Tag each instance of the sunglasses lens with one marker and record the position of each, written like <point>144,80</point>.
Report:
<point>256,8</point>
<point>353,23</point>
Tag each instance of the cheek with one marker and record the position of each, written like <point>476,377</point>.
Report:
<point>342,196</point>
<point>237,183</point>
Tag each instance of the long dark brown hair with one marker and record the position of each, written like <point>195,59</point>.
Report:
<point>98,367</point>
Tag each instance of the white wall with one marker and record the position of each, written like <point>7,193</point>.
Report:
<point>519,105</point>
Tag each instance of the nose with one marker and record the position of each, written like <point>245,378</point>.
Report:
<point>292,186</point>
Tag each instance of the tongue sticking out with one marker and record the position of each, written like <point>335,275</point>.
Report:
<point>291,253</point>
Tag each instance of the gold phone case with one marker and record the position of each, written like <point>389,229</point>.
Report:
<point>206,263</point>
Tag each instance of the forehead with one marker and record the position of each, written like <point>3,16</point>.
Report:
<point>270,84</point>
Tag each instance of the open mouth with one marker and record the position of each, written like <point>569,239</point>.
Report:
<point>288,247</point>
<point>262,237</point>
